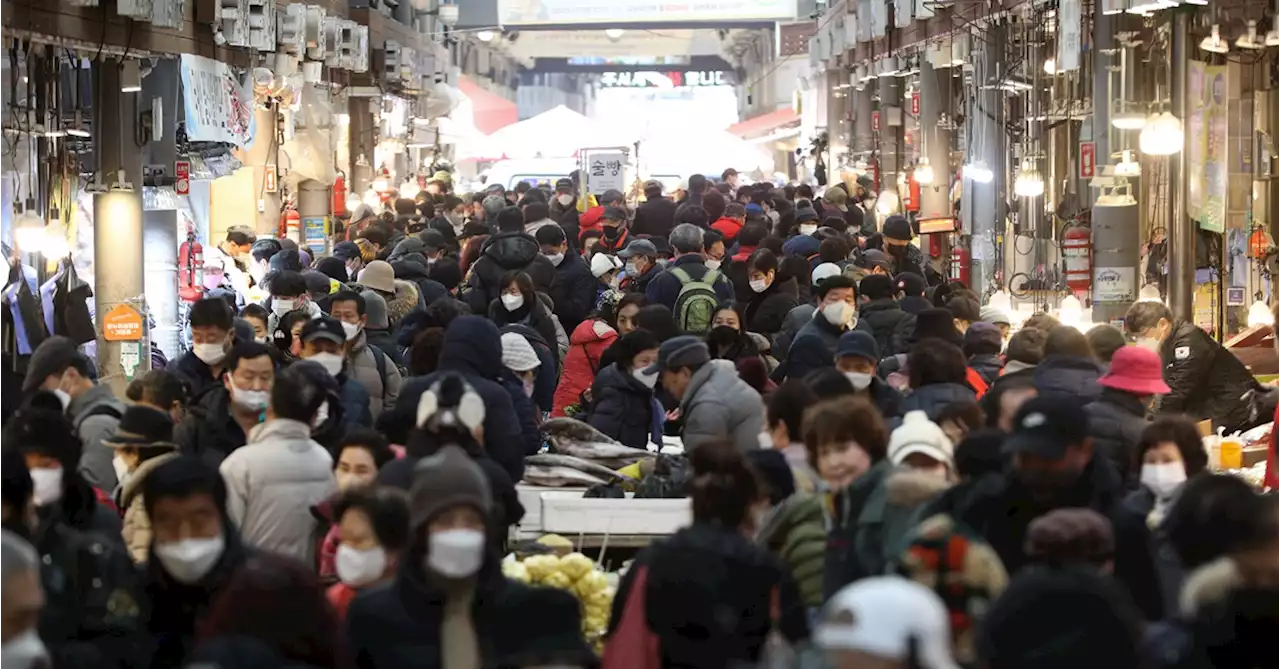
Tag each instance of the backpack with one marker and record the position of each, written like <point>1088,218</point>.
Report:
<point>696,303</point>
<point>98,410</point>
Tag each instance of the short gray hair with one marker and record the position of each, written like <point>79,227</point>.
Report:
<point>493,204</point>
<point>686,238</point>
<point>16,555</point>
<point>1143,316</point>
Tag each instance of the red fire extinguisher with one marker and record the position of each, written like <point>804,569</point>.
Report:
<point>1077,257</point>
<point>960,261</point>
<point>290,222</point>
<point>190,268</point>
<point>339,204</point>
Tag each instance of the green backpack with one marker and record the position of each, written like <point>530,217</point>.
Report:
<point>696,303</point>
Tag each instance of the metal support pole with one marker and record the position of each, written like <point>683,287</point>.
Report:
<point>935,198</point>
<point>862,120</point>
<point>1182,229</point>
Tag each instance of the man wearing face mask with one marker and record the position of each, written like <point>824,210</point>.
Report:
<point>510,249</point>
<point>21,604</point>
<point>289,293</point>
<point>370,367</point>
<point>614,233</point>
<point>906,256</point>
<point>574,293</point>
<point>58,367</point>
<point>324,342</point>
<point>715,403</point>
<point>641,258</point>
<point>856,358</point>
<point>1206,381</point>
<point>814,345</point>
<point>806,220</point>
<point>212,335</point>
<point>219,422</point>
<point>687,241</point>
<point>1054,465</point>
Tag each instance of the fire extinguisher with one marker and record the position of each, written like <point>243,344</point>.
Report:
<point>339,204</point>
<point>1077,257</point>
<point>290,222</point>
<point>190,268</point>
<point>960,262</point>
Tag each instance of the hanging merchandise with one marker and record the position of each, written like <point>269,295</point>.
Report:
<point>22,317</point>
<point>191,268</point>
<point>70,303</point>
<point>1077,257</point>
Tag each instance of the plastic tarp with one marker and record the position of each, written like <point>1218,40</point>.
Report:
<point>556,133</point>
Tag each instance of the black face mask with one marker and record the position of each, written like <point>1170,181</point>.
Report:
<point>721,336</point>
<point>1048,484</point>
<point>898,251</point>
<point>612,232</point>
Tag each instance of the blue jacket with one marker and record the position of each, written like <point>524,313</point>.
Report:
<point>355,404</point>
<point>473,348</point>
<point>195,374</point>
<point>575,291</point>
<point>665,288</point>
<point>814,347</point>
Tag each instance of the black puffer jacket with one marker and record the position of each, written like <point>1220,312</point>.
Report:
<point>501,253</point>
<point>988,366</point>
<point>208,431</point>
<point>655,217</point>
<point>932,399</point>
<point>621,407</point>
<point>533,313</point>
<point>768,310</point>
<point>886,319</point>
<point>1068,377</point>
<point>1116,421</point>
<point>1206,381</point>
<point>410,268</point>
<point>708,598</point>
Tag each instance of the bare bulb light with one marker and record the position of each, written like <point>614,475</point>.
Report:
<point>1214,42</point>
<point>1028,183</point>
<point>485,35</point>
<point>614,33</point>
<point>353,201</point>
<point>1161,135</point>
<point>978,172</point>
<point>1050,67</point>
<point>1260,314</point>
<point>923,173</point>
<point>887,202</point>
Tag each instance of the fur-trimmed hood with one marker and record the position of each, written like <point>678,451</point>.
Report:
<point>1208,585</point>
<point>404,301</point>
<point>912,487</point>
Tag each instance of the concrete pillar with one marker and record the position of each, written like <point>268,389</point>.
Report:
<point>1182,228</point>
<point>313,202</point>
<point>890,162</point>
<point>117,225</point>
<point>160,220</point>
<point>934,198</point>
<point>982,206</point>
<point>261,157</point>
<point>862,137</point>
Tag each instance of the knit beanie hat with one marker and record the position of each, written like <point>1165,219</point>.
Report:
<point>918,434</point>
<point>444,480</point>
<point>517,354</point>
<point>375,310</point>
<point>603,263</point>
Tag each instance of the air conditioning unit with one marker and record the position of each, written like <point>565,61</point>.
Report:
<point>360,50</point>
<point>332,41</point>
<point>347,42</point>
<point>234,15</point>
<point>262,25</point>
<point>291,30</point>
<point>313,32</point>
<point>391,56</point>
<point>134,9</point>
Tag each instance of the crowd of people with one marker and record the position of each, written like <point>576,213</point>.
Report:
<point>883,472</point>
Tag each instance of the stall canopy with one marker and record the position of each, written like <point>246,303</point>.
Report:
<point>766,124</point>
<point>491,112</point>
<point>556,133</point>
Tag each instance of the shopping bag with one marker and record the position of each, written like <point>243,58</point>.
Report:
<point>633,645</point>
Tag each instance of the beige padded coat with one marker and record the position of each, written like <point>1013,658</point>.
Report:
<point>137,526</point>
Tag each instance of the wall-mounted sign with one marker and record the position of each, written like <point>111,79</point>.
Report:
<point>544,12</point>
<point>218,104</point>
<point>182,172</point>
<point>122,323</point>
<point>674,79</point>
<point>606,170</point>
<point>1088,160</point>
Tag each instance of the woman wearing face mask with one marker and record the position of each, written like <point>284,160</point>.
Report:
<point>373,532</point>
<point>519,303</point>
<point>449,591</point>
<point>712,572</point>
<point>142,442</point>
<point>773,294</point>
<point>623,404</point>
<point>361,453</point>
<point>924,467</point>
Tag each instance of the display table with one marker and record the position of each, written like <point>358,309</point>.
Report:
<point>594,521</point>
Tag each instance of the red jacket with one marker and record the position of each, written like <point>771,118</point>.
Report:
<point>728,227</point>
<point>590,220</point>
<point>586,345</point>
<point>1269,477</point>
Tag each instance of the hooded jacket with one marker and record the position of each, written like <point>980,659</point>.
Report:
<point>95,414</point>
<point>1116,422</point>
<point>655,217</point>
<point>502,253</point>
<point>796,532</point>
<point>137,524</point>
<point>574,293</point>
<point>885,318</point>
<point>1069,377</point>
<point>273,482</point>
<point>586,345</point>
<point>473,348</point>
<point>718,404</point>
<point>988,366</point>
<point>1206,381</point>
<point>708,598</point>
<point>362,366</point>
<point>767,310</point>
<point>208,431</point>
<point>622,407</point>
<point>399,304</point>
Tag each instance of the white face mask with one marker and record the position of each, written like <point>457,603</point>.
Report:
<point>63,396</point>
<point>564,199</point>
<point>24,651</point>
<point>281,306</point>
<point>189,560</point>
<point>210,354</point>
<point>260,340</point>
<point>455,553</point>
<point>649,380</point>
<point>360,567</point>
<point>837,313</point>
<point>765,441</point>
<point>556,258</point>
<point>332,362</point>
<point>860,380</point>
<point>249,400</point>
<point>351,330</point>
<point>512,302</point>
<point>808,228</point>
<point>322,414</point>
<point>46,485</point>
<point>121,468</point>
<point>632,269</point>
<point>758,285</point>
<point>1163,480</point>
<point>712,263</point>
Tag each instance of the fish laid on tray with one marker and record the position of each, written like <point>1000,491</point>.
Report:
<point>578,439</point>
<point>557,461</point>
<point>559,477</point>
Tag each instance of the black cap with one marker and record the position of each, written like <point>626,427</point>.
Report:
<point>432,240</point>
<point>317,282</point>
<point>873,258</point>
<point>876,286</point>
<point>614,213</point>
<point>639,247</point>
<point>1047,427</point>
<point>612,195</point>
<point>564,185</point>
<point>346,251</point>
<point>910,283</point>
<point>50,357</point>
<point>324,327</point>
<point>858,343</point>
<point>899,228</point>
<point>677,352</point>
<point>806,215</point>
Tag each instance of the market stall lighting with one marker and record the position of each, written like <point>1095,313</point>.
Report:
<point>1260,314</point>
<point>923,173</point>
<point>614,33</point>
<point>372,199</point>
<point>887,202</point>
<point>1000,300</point>
<point>1149,293</point>
<point>380,185</point>
<point>1127,167</point>
<point>1129,120</point>
<point>353,201</point>
<point>1161,135</point>
<point>485,35</point>
<point>28,231</point>
<point>1050,66</point>
<point>1028,183</point>
<point>1070,311</point>
<point>978,172</point>
<point>1214,42</point>
<point>409,188</point>
<point>1249,40</point>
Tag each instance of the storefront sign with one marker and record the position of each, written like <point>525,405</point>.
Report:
<point>915,103</point>
<point>674,79</point>
<point>122,323</point>
<point>1068,36</point>
<point>219,107</point>
<point>1088,160</point>
<point>606,170</point>
<point>1235,297</point>
<point>315,231</point>
<point>1114,284</point>
<point>182,172</point>
<point>545,12</point>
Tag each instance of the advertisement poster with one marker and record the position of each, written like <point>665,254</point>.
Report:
<point>218,104</point>
<point>1068,36</point>
<point>550,12</point>
<point>1114,284</point>
<point>1195,138</point>
<point>1213,212</point>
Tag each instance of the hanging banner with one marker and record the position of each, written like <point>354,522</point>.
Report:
<point>606,170</point>
<point>1213,214</point>
<point>1195,132</point>
<point>218,104</point>
<point>1068,36</point>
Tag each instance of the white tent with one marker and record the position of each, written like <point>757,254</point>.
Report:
<point>556,133</point>
<point>704,150</point>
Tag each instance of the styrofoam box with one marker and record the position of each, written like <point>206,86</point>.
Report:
<point>530,497</point>
<point>570,513</point>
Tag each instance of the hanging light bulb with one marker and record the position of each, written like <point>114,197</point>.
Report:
<point>1000,300</point>
<point>1028,183</point>
<point>887,202</point>
<point>381,185</point>
<point>372,199</point>
<point>409,188</point>
<point>1259,313</point>
<point>1128,120</point>
<point>485,35</point>
<point>1161,135</point>
<point>1214,42</point>
<point>55,244</point>
<point>614,33</point>
<point>1249,39</point>
<point>28,231</point>
<point>1149,293</point>
<point>1050,66</point>
<point>353,201</point>
<point>1127,167</point>
<point>978,172</point>
<point>1070,311</point>
<point>923,173</point>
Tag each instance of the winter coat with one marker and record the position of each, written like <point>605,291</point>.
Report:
<point>655,218</point>
<point>1068,377</point>
<point>988,366</point>
<point>95,415</point>
<point>362,365</point>
<point>1014,374</point>
<point>797,318</point>
<point>398,625</point>
<point>718,404</point>
<point>621,407</point>
<point>92,613</point>
<point>913,261</point>
<point>814,347</point>
<point>886,319</point>
<point>548,374</point>
<point>273,482</point>
<point>536,315</point>
<point>385,341</point>
<point>473,348</point>
<point>575,291</point>
<point>914,304</point>
<point>502,253</point>
<point>568,220</point>
<point>640,284</point>
<point>932,399</point>
<point>1000,508</point>
<point>417,273</point>
<point>795,531</point>
<point>208,431</point>
<point>355,402</point>
<point>82,509</point>
<point>1222,622</point>
<point>400,303</point>
<point>1116,422</point>
<point>856,529</point>
<point>708,598</point>
<point>767,311</point>
<point>137,525</point>
<point>586,345</point>
<point>665,288</point>
<point>1206,381</point>
<point>886,398</point>
<point>1169,569</point>
<point>729,227</point>
<point>906,491</point>
<point>196,375</point>
<point>524,411</point>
